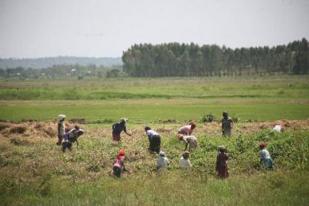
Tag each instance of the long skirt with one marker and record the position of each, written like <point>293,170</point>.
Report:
<point>227,132</point>
<point>267,163</point>
<point>117,171</point>
<point>116,136</point>
<point>155,143</point>
<point>60,137</point>
<point>222,171</point>
<point>66,145</point>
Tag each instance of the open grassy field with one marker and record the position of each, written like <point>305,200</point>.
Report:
<point>34,171</point>
<point>248,98</point>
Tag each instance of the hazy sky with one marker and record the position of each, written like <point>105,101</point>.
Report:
<point>37,28</point>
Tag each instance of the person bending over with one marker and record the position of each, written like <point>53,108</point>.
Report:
<point>154,140</point>
<point>118,128</point>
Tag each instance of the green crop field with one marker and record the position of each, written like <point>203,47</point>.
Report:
<point>181,99</point>
<point>34,170</point>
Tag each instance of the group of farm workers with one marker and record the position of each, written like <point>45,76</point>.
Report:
<point>67,138</point>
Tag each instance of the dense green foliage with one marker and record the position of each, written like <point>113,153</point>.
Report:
<point>174,59</point>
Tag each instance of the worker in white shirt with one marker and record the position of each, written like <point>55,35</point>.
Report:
<point>184,161</point>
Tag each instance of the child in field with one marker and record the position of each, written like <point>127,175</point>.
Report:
<point>118,165</point>
<point>189,140</point>
<point>162,161</point>
<point>265,158</point>
<point>186,130</point>
<point>60,128</point>
<point>221,164</point>
<point>154,140</point>
<point>70,137</point>
<point>184,161</point>
<point>118,128</point>
<point>227,125</point>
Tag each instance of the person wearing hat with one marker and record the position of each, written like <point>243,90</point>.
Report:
<point>265,158</point>
<point>221,163</point>
<point>154,140</point>
<point>189,140</point>
<point>70,137</point>
<point>118,128</point>
<point>184,161</point>
<point>186,130</point>
<point>162,161</point>
<point>118,165</point>
<point>226,124</point>
<point>60,128</point>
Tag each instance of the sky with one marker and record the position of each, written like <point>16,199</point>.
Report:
<point>102,28</point>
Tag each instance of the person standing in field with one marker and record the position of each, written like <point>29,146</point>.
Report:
<point>186,130</point>
<point>60,128</point>
<point>189,140</point>
<point>154,140</point>
<point>221,163</point>
<point>227,125</point>
<point>118,165</point>
<point>118,128</point>
<point>184,161</point>
<point>265,158</point>
<point>162,162</point>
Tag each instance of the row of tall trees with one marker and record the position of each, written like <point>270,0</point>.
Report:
<point>174,59</point>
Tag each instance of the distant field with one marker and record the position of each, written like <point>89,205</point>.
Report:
<point>153,110</point>
<point>137,88</point>
<point>181,99</point>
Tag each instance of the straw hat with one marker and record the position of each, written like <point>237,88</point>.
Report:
<point>61,117</point>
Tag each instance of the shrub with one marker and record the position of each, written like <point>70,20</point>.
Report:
<point>208,118</point>
<point>235,119</point>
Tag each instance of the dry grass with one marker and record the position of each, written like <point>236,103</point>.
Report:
<point>34,170</point>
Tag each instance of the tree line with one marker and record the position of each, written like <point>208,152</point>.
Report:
<point>175,59</point>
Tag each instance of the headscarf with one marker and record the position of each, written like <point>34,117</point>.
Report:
<point>192,125</point>
<point>262,145</point>
<point>121,154</point>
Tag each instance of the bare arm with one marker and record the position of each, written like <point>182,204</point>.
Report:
<point>125,131</point>
<point>217,163</point>
<point>186,145</point>
<point>128,133</point>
